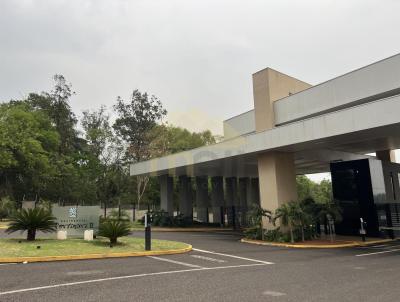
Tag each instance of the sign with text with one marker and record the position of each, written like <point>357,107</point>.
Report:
<point>76,219</point>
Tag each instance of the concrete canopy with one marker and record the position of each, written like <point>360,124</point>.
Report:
<point>349,116</point>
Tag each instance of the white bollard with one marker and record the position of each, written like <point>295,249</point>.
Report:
<point>88,235</point>
<point>61,235</point>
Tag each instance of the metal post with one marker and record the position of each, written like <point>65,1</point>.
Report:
<point>147,233</point>
<point>363,232</point>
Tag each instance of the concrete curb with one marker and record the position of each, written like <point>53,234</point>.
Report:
<point>310,246</point>
<point>158,229</point>
<point>94,256</point>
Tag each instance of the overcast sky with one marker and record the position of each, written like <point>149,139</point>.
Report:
<point>196,56</point>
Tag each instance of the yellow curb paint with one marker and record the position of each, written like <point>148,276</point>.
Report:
<point>94,256</point>
<point>322,246</point>
<point>184,229</point>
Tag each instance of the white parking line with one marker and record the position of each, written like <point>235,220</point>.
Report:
<point>31,289</point>
<point>376,253</point>
<point>176,262</point>
<point>4,264</point>
<point>208,258</point>
<point>233,256</point>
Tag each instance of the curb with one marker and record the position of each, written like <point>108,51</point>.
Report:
<point>156,229</point>
<point>94,256</point>
<point>322,246</point>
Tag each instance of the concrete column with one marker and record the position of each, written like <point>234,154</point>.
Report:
<point>243,199</point>
<point>185,196</point>
<point>252,192</point>
<point>166,194</point>
<point>386,155</point>
<point>232,199</point>
<point>277,178</point>
<point>202,198</point>
<point>217,197</point>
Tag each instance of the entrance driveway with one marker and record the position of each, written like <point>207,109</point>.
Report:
<point>219,269</point>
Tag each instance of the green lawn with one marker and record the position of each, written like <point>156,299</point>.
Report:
<point>53,247</point>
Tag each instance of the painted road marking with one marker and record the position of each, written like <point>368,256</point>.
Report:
<point>377,253</point>
<point>22,290</point>
<point>3,264</point>
<point>273,294</point>
<point>176,262</point>
<point>233,256</point>
<point>208,258</point>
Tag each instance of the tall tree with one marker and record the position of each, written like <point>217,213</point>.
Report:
<point>135,124</point>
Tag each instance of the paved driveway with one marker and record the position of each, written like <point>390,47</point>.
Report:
<point>219,269</point>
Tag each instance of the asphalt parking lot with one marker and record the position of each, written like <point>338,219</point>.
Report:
<point>218,269</point>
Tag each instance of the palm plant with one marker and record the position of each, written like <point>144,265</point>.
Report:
<point>32,220</point>
<point>112,229</point>
<point>256,215</point>
<point>288,213</point>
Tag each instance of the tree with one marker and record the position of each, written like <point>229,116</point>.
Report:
<point>56,105</point>
<point>256,215</point>
<point>32,220</point>
<point>288,213</point>
<point>135,124</point>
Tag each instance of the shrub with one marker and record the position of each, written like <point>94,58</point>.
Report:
<point>113,229</point>
<point>32,220</point>
<point>274,235</point>
<point>253,233</point>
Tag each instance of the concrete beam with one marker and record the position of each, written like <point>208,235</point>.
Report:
<point>386,155</point>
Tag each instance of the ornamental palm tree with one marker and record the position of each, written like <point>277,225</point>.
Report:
<point>288,214</point>
<point>112,229</point>
<point>32,220</point>
<point>256,215</point>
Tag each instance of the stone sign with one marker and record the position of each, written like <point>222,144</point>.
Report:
<point>76,219</point>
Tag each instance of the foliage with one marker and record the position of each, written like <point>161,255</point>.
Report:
<point>320,192</point>
<point>32,220</point>
<point>291,215</point>
<point>163,219</point>
<point>7,206</point>
<point>113,229</point>
<point>255,217</point>
<point>43,155</point>
<point>119,215</point>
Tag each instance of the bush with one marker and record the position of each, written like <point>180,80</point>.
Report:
<point>252,233</point>
<point>32,220</point>
<point>113,229</point>
<point>163,219</point>
<point>274,235</point>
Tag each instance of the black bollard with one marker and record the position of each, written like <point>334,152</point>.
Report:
<point>147,233</point>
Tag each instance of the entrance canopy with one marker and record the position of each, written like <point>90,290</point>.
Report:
<point>338,120</point>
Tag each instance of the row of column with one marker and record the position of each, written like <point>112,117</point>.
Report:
<point>235,192</point>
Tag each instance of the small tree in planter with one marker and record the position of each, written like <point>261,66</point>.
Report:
<point>288,214</point>
<point>112,229</point>
<point>32,220</point>
<point>256,215</point>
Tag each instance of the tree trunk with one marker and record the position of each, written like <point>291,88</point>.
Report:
<point>302,234</point>
<point>113,240</point>
<point>291,235</point>
<point>31,235</point>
